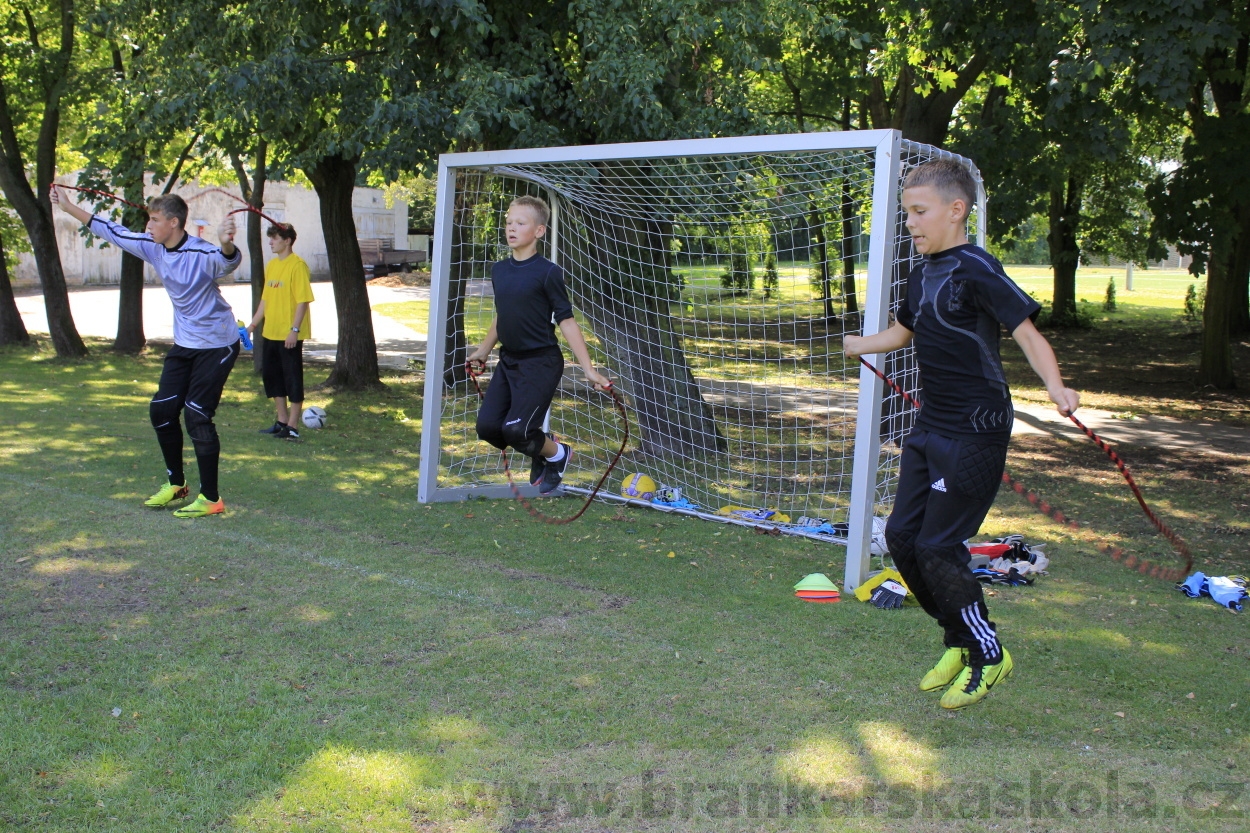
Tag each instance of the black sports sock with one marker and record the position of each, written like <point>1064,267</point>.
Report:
<point>208,475</point>
<point>171,450</point>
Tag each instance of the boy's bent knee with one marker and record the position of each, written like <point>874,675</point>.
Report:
<point>901,542</point>
<point>531,445</point>
<point>202,431</point>
<point>164,412</point>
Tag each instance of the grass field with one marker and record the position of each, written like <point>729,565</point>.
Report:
<point>332,656</point>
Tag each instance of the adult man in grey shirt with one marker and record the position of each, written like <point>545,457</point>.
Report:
<point>206,339</point>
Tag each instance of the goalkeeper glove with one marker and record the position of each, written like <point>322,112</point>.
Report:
<point>889,595</point>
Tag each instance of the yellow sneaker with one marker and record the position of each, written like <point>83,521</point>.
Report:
<point>947,668</point>
<point>200,507</point>
<point>167,495</point>
<point>973,684</point>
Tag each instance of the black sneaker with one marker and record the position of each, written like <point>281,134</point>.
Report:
<point>276,428</point>
<point>287,433</point>
<point>538,465</point>
<point>553,473</point>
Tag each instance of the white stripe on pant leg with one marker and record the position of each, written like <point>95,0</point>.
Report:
<point>527,428</point>
<point>979,627</point>
<point>981,631</point>
<point>166,399</point>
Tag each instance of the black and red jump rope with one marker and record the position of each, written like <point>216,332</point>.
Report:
<point>246,205</point>
<point>476,368</point>
<point>1142,565</point>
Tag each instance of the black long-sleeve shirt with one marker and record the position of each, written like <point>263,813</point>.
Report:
<point>530,299</point>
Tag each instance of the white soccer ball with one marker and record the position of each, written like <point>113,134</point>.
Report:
<point>314,417</point>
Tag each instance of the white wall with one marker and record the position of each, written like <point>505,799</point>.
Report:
<point>92,263</point>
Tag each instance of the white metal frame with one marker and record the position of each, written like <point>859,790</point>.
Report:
<point>887,147</point>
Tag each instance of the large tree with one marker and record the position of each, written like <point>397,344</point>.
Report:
<point>140,133</point>
<point>39,73</point>
<point>1081,142</point>
<point>12,328</point>
<point>335,89</point>
<point>1196,59</point>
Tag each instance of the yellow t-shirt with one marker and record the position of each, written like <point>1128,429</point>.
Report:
<point>287,283</point>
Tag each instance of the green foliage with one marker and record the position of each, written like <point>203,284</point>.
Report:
<point>1024,245</point>
<point>1108,303</point>
<point>772,280</point>
<point>419,192</point>
<point>1195,301</point>
<point>13,233</point>
<point>739,274</point>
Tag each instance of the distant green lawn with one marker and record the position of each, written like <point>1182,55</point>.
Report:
<point>332,656</point>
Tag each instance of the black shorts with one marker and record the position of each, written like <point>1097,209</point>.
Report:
<point>518,398</point>
<point>282,368</point>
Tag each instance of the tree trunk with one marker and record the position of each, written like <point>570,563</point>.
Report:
<point>1239,306</point>
<point>35,209</point>
<point>820,259</point>
<point>130,336</point>
<point>37,218</point>
<point>626,303</point>
<point>1065,202</point>
<point>253,191</point>
<point>455,346</point>
<point>850,304</point>
<point>12,328</point>
<point>356,361</point>
<point>1216,365</point>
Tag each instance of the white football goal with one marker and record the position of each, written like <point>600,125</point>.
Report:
<point>714,280</point>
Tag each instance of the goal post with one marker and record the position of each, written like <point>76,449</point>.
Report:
<point>714,280</point>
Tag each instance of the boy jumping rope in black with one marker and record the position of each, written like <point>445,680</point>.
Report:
<point>530,296</point>
<point>206,339</point>
<point>953,460</point>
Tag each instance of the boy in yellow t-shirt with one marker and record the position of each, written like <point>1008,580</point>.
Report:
<point>284,308</point>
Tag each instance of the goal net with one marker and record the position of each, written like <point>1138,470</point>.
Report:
<point>714,280</point>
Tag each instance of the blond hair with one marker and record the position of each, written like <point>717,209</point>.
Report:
<point>952,180</point>
<point>540,209</point>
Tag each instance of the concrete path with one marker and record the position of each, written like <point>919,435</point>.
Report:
<point>95,313</point>
<point>1151,431</point>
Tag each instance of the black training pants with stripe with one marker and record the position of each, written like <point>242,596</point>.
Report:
<point>945,490</point>
<point>192,381</point>
<point>516,401</point>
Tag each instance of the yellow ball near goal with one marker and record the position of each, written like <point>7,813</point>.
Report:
<point>638,486</point>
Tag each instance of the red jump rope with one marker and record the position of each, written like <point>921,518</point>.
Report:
<point>246,205</point>
<point>1141,565</point>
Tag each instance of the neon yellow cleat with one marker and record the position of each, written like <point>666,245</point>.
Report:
<point>167,495</point>
<point>200,507</point>
<point>973,684</point>
<point>947,669</point>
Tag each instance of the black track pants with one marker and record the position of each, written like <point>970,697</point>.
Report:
<point>517,400</point>
<point>945,489</point>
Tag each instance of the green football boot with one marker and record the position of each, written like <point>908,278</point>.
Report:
<point>200,507</point>
<point>947,668</point>
<point>974,683</point>
<point>167,495</point>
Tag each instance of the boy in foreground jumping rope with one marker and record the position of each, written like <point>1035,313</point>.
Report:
<point>206,339</point>
<point>530,296</point>
<point>957,300</point>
